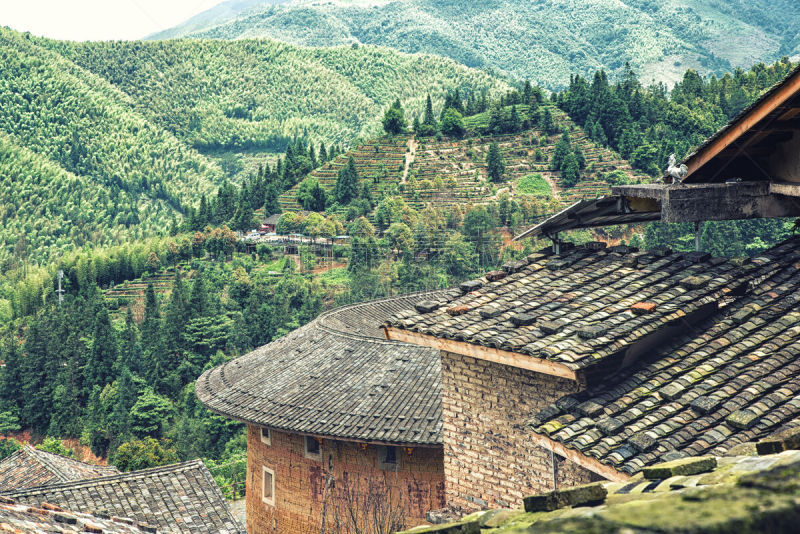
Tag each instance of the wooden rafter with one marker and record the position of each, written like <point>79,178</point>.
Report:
<point>587,462</point>
<point>479,352</point>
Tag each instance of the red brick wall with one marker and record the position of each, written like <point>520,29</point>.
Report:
<point>416,487</point>
<point>489,461</point>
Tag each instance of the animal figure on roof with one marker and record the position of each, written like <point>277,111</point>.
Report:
<point>678,172</point>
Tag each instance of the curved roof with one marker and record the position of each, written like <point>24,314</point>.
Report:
<point>338,377</point>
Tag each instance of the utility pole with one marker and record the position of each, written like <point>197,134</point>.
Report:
<point>60,291</point>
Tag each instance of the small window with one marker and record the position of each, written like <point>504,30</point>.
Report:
<point>266,436</point>
<point>388,458</point>
<point>313,448</point>
<point>268,487</point>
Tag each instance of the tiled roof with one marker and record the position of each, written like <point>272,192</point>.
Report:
<point>581,307</point>
<point>48,519</point>
<point>702,496</point>
<point>29,467</point>
<point>337,376</point>
<point>735,380</point>
<point>176,498</point>
<point>23,518</point>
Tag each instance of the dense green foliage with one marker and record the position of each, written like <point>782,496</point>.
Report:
<point>77,163</point>
<point>258,94</point>
<point>77,370</point>
<point>100,143</point>
<point>543,41</point>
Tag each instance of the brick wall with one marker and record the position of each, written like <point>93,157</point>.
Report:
<point>302,491</point>
<point>489,461</point>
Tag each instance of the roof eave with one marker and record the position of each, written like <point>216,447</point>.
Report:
<point>512,359</point>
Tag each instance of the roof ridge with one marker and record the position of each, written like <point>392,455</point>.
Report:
<point>98,481</point>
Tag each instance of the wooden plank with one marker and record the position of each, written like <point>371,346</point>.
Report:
<point>512,359</point>
<point>785,188</point>
<point>743,125</point>
<point>587,462</point>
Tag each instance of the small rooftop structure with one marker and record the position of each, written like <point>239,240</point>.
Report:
<point>47,519</point>
<point>336,377</point>
<point>749,169</point>
<point>178,498</point>
<point>30,467</point>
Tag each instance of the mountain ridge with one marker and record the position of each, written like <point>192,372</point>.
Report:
<point>530,40</point>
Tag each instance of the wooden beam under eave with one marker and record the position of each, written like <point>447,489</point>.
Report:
<point>587,462</point>
<point>503,357</point>
<point>784,93</point>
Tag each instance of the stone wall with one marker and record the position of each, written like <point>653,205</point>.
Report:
<point>489,460</point>
<point>338,483</point>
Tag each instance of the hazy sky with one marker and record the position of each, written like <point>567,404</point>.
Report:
<point>83,20</point>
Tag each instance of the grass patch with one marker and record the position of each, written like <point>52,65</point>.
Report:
<point>534,184</point>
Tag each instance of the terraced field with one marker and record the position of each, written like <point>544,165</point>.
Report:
<point>381,161</point>
<point>453,171</point>
<point>130,294</point>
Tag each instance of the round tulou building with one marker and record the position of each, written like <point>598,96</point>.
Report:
<point>343,426</point>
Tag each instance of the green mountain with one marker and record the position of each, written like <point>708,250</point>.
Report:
<point>77,162</point>
<point>544,40</point>
<point>105,142</point>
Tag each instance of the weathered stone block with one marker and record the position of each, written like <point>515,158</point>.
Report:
<point>684,467</point>
<point>694,282</point>
<point>698,257</point>
<point>589,408</point>
<point>610,426</point>
<point>595,245</point>
<point>490,312</point>
<point>512,267</point>
<point>742,419</point>
<point>523,319</point>
<point>455,311</point>
<point>779,442</point>
<point>470,286</point>
<point>550,327</point>
<point>494,276</point>
<point>426,306</point>
<point>704,404</point>
<point>642,442</point>
<point>672,391</point>
<point>642,308</point>
<point>591,494</point>
<point>592,331</point>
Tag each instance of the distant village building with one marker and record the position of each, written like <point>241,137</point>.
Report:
<point>343,426</point>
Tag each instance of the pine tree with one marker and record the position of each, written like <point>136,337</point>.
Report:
<point>98,371</point>
<point>394,121</point>
<point>495,165</point>
<point>198,302</point>
<point>514,122</point>
<point>429,118</point>
<point>323,153</point>
<point>271,204</point>
<point>571,174</point>
<point>560,152</point>
<point>346,187</point>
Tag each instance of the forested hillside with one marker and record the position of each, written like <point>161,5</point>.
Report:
<point>255,95</point>
<point>78,163</point>
<point>107,142</point>
<point>542,41</point>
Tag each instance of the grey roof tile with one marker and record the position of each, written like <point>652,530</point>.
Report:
<point>178,498</point>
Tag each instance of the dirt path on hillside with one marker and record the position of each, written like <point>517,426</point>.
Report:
<point>411,155</point>
<point>553,187</point>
